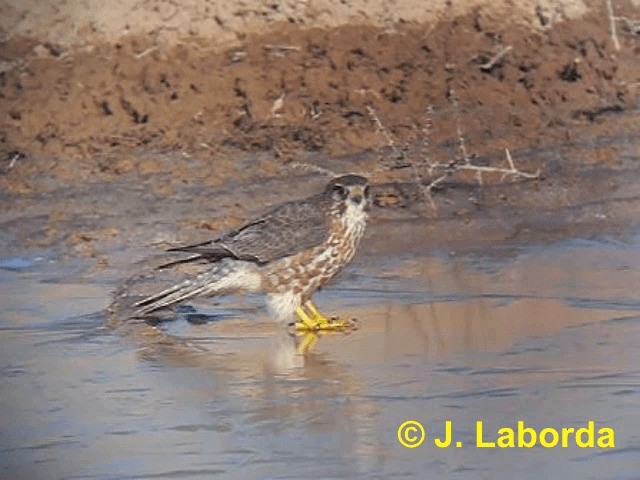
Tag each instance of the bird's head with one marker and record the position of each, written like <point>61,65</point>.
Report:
<point>350,190</point>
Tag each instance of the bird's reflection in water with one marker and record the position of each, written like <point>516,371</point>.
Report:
<point>306,341</point>
<point>253,375</point>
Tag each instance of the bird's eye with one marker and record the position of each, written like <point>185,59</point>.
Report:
<point>340,190</point>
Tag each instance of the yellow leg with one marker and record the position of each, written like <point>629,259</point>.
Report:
<point>315,313</point>
<point>306,323</point>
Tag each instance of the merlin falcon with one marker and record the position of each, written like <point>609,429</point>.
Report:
<point>288,254</point>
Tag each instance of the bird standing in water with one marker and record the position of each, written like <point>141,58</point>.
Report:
<point>288,254</point>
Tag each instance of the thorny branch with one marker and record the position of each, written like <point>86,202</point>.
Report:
<point>438,172</point>
<point>390,143</point>
<point>506,172</point>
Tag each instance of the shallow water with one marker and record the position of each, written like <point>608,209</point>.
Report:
<point>546,334</point>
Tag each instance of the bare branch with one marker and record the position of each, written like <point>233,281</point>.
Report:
<point>439,172</point>
<point>510,160</point>
<point>281,50</point>
<point>277,106</point>
<point>13,161</point>
<point>146,52</point>
<point>462,146</point>
<point>495,59</point>
<point>427,189</point>
<point>479,169</point>
<point>612,25</point>
<point>381,129</point>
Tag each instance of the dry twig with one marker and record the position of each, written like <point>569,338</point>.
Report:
<point>438,172</point>
<point>427,189</point>
<point>612,24</point>
<point>462,143</point>
<point>277,105</point>
<point>480,169</point>
<point>281,50</point>
<point>390,143</point>
<point>495,59</point>
<point>13,161</point>
<point>146,52</point>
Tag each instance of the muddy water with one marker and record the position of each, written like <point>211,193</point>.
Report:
<point>545,334</point>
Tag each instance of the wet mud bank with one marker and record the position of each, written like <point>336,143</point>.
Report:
<point>464,88</point>
<point>99,139</point>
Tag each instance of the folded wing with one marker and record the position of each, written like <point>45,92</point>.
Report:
<point>289,229</point>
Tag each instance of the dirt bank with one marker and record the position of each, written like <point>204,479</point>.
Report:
<point>382,95</point>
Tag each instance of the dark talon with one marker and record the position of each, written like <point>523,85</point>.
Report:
<point>354,324</point>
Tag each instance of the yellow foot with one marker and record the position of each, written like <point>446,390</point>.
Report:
<point>311,320</point>
<point>313,324</point>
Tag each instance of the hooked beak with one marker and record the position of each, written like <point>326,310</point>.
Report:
<point>357,195</point>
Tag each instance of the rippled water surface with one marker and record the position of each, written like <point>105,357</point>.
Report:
<point>548,335</point>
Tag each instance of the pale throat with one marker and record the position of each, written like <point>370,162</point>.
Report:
<point>354,220</point>
<point>345,238</point>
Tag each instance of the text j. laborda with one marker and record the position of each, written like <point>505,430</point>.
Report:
<point>412,434</point>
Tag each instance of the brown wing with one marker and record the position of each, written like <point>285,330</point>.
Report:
<point>288,229</point>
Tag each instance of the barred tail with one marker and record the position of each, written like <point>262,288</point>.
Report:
<point>169,297</point>
<point>222,278</point>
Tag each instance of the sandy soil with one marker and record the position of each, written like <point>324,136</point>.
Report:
<point>226,23</point>
<point>219,93</point>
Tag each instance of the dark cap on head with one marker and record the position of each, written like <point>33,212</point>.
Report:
<point>347,181</point>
